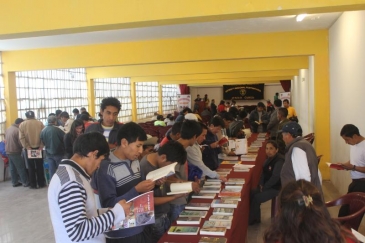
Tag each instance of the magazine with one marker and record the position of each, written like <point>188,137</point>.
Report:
<point>165,171</point>
<point>34,153</point>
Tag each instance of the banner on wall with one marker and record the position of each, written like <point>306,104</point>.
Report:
<point>183,101</point>
<point>243,92</point>
<point>284,96</point>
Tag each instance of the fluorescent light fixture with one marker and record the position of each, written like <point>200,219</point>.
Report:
<point>300,17</point>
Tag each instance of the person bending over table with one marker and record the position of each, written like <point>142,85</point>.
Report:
<point>270,184</point>
<point>303,217</point>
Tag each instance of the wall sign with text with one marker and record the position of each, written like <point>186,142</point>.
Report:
<point>243,92</point>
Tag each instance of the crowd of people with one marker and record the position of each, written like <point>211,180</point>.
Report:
<point>111,160</point>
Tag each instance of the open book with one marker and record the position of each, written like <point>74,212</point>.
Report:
<point>161,172</point>
<point>334,166</point>
<point>179,188</point>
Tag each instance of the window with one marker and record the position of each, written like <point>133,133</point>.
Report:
<point>146,99</point>
<point>119,88</point>
<point>2,104</point>
<point>169,99</point>
<point>46,91</point>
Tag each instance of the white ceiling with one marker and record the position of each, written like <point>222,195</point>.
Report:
<point>228,27</point>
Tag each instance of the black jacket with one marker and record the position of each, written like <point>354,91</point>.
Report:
<point>96,127</point>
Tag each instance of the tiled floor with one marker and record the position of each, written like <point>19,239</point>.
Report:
<point>24,216</point>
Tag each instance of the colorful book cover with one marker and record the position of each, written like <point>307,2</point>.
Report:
<point>188,213</point>
<point>221,218</point>
<point>198,206</point>
<point>183,230</point>
<point>235,181</point>
<point>206,239</point>
<point>230,193</point>
<point>223,211</point>
<point>220,231</point>
<point>216,223</point>
<point>223,203</point>
<point>188,220</point>
<point>204,195</point>
<point>230,162</point>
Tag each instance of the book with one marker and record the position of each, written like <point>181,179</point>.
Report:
<point>141,212</point>
<point>204,195</point>
<point>221,218</point>
<point>222,173</point>
<point>210,189</point>
<point>187,213</point>
<point>334,166</point>
<point>358,236</point>
<point>183,230</point>
<point>234,187</point>
<point>225,157</point>
<point>217,223</point>
<point>34,153</point>
<point>214,186</point>
<point>230,193</point>
<point>198,206</point>
<point>251,157</point>
<point>165,171</point>
<point>223,170</point>
<point>220,231</point>
<point>213,180</point>
<point>222,141</point>
<point>180,188</point>
<point>252,149</point>
<point>188,220</point>
<point>242,167</point>
<point>231,162</point>
<point>206,239</point>
<point>223,211</point>
<point>232,198</point>
<point>235,181</point>
<point>223,203</point>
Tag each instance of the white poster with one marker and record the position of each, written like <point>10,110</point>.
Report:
<point>284,96</point>
<point>183,101</point>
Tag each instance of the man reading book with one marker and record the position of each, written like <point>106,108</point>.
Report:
<point>169,153</point>
<point>119,177</point>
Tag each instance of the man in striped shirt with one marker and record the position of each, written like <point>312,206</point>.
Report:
<point>71,199</point>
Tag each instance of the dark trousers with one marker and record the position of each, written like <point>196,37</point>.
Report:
<point>355,186</point>
<point>257,198</point>
<point>143,237</point>
<point>36,173</point>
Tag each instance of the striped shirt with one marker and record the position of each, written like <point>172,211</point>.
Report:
<point>72,207</point>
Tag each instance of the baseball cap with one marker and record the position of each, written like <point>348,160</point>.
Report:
<point>29,114</point>
<point>191,116</point>
<point>293,128</point>
<point>150,140</point>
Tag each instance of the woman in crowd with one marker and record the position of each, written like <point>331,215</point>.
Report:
<point>221,106</point>
<point>77,128</point>
<point>303,218</point>
<point>269,185</point>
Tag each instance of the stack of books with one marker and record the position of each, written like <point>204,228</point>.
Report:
<point>204,195</point>
<point>206,239</point>
<point>187,213</point>
<point>183,230</point>
<point>223,211</point>
<point>224,203</point>
<point>188,220</point>
<point>198,206</point>
<point>248,157</point>
<point>231,193</point>
<point>242,168</point>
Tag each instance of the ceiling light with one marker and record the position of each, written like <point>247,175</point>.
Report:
<point>300,17</point>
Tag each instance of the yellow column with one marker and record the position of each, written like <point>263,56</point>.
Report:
<point>133,99</point>
<point>10,95</point>
<point>91,97</point>
<point>160,111</point>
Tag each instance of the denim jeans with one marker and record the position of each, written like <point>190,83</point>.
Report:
<point>17,167</point>
<point>175,210</point>
<point>53,163</point>
<point>161,225</point>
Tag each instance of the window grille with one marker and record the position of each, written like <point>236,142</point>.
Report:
<point>46,91</point>
<point>2,104</point>
<point>169,98</point>
<point>119,88</point>
<point>146,99</point>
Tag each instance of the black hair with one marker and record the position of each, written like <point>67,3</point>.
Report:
<point>217,121</point>
<point>349,130</point>
<point>260,104</point>
<point>58,112</point>
<point>159,117</point>
<point>131,132</point>
<point>283,111</point>
<point>83,108</point>
<point>65,114</point>
<point>189,129</point>
<point>168,116</point>
<point>203,126</point>
<point>187,109</point>
<point>76,111</point>
<point>90,142</point>
<point>242,114</point>
<point>174,152</point>
<point>76,123</point>
<point>221,102</point>
<point>176,128</point>
<point>273,143</point>
<point>110,101</point>
<point>234,111</point>
<point>85,117</point>
<point>29,114</point>
<point>278,103</point>
<point>18,121</point>
<point>51,114</point>
<point>227,116</point>
<point>286,100</point>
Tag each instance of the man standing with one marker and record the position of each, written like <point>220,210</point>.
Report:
<point>272,127</point>
<point>258,119</point>
<point>72,207</point>
<point>213,107</point>
<point>13,149</point>
<point>29,135</point>
<point>52,138</point>
<point>350,133</point>
<point>300,159</point>
<point>65,118</point>
<point>109,108</point>
<point>282,113</point>
<point>291,110</point>
<point>76,113</point>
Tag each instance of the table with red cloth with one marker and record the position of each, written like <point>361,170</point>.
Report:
<point>238,231</point>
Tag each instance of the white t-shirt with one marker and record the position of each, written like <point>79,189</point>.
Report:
<point>357,157</point>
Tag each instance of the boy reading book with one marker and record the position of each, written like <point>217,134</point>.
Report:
<point>169,153</point>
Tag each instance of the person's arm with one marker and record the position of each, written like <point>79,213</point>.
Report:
<point>195,158</point>
<point>275,178</point>
<point>349,166</point>
<point>273,121</point>
<point>300,164</point>
<point>22,137</point>
<point>78,226</point>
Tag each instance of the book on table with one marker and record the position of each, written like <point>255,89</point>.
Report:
<point>223,211</point>
<point>235,181</point>
<point>141,212</point>
<point>334,166</point>
<point>220,231</point>
<point>204,195</point>
<point>231,162</point>
<point>183,230</point>
<point>228,218</point>
<point>251,149</point>
<point>222,173</point>
<point>211,185</point>
<point>188,220</point>
<point>233,187</point>
<point>241,167</point>
<point>205,239</point>
<point>223,203</point>
<point>197,206</point>
<point>223,170</point>
<point>226,157</point>
<point>248,158</point>
<point>180,188</point>
<point>162,172</point>
<point>217,223</point>
<point>193,213</point>
<point>213,180</point>
<point>232,198</point>
<point>210,189</point>
<point>230,193</point>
